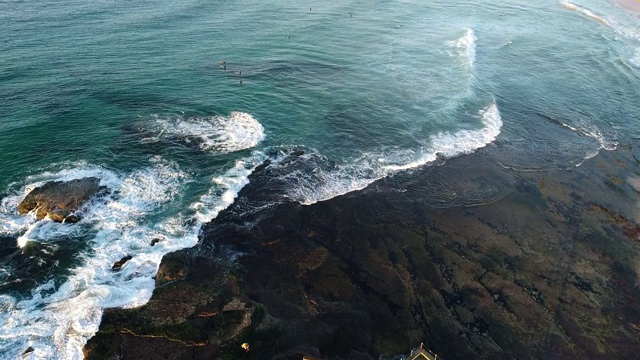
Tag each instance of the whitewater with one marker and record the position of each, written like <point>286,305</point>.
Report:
<point>331,100</point>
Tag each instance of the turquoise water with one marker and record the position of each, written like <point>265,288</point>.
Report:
<point>134,93</point>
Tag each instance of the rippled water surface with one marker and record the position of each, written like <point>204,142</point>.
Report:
<point>134,93</point>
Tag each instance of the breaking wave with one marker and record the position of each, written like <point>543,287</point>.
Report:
<point>61,314</point>
<point>323,180</point>
<point>217,134</point>
<point>465,47</point>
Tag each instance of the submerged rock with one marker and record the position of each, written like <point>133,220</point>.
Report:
<point>60,199</point>
<point>117,266</point>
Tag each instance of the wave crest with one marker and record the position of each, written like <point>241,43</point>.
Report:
<point>322,180</point>
<point>466,47</point>
<point>219,134</point>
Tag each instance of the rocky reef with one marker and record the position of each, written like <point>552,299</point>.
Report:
<point>474,260</point>
<point>60,199</point>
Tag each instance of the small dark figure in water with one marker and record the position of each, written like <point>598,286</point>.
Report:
<point>240,81</point>
<point>350,14</point>
<point>223,64</point>
<point>240,73</point>
<point>289,36</point>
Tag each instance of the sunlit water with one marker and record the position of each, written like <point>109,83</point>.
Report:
<point>133,93</point>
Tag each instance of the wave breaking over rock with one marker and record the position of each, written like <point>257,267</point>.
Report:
<point>60,315</point>
<point>322,179</point>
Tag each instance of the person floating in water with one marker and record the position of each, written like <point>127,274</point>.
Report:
<point>223,65</point>
<point>240,81</point>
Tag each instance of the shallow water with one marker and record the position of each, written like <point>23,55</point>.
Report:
<point>134,94</point>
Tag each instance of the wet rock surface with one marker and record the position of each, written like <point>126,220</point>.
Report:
<point>117,266</point>
<point>525,265</point>
<point>60,199</point>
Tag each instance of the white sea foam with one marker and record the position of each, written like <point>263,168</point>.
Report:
<point>58,322</point>
<point>605,142</point>
<point>309,187</point>
<point>449,145</point>
<point>465,47</point>
<point>13,224</point>
<point>226,188</point>
<point>635,59</point>
<point>219,134</point>
<point>319,185</point>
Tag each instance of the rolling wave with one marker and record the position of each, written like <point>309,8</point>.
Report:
<point>216,134</point>
<point>466,47</point>
<point>326,180</point>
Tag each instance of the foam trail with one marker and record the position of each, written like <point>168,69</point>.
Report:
<point>226,188</point>
<point>13,224</point>
<point>466,47</point>
<point>449,145</point>
<point>319,185</point>
<point>216,134</point>
<point>58,324</point>
<point>635,60</point>
<point>586,12</point>
<point>593,132</point>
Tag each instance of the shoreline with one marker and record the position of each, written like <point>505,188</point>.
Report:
<point>547,269</point>
<point>631,5</point>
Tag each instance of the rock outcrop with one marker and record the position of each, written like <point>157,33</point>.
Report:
<point>117,266</point>
<point>60,199</point>
<point>548,270</point>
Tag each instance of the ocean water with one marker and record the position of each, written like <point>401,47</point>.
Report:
<point>133,93</point>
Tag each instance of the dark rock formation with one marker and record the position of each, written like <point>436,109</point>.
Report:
<point>117,266</point>
<point>548,269</point>
<point>60,199</point>
<point>155,241</point>
<point>28,350</point>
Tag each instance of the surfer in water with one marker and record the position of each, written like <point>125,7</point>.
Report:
<point>223,65</point>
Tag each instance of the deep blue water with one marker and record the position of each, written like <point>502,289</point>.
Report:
<point>134,93</point>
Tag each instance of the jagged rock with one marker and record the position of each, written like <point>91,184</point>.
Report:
<point>60,199</point>
<point>29,350</point>
<point>117,266</point>
<point>155,241</point>
<point>374,274</point>
<point>297,153</point>
<point>72,219</point>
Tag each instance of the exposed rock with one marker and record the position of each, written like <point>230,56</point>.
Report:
<point>71,219</point>
<point>538,273</point>
<point>155,241</point>
<point>117,266</point>
<point>60,199</point>
<point>297,153</point>
<point>28,350</point>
